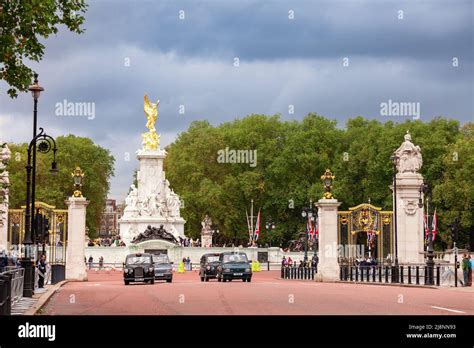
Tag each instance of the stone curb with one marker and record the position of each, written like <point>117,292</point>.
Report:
<point>44,298</point>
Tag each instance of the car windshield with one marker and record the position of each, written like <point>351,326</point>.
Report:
<point>160,259</point>
<point>235,258</point>
<point>137,260</point>
<point>212,258</point>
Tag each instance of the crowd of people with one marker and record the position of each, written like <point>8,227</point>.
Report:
<point>288,262</point>
<point>8,260</point>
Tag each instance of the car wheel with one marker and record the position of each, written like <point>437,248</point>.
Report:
<point>230,279</point>
<point>223,280</point>
<point>249,280</point>
<point>218,278</point>
<point>244,280</point>
<point>202,279</point>
<point>152,281</point>
<point>126,282</point>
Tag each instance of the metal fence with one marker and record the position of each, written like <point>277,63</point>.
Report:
<point>296,272</point>
<point>401,274</point>
<point>11,288</point>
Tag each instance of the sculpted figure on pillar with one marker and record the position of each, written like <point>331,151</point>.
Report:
<point>409,159</point>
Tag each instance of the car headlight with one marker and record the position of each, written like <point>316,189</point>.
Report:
<point>226,270</point>
<point>247,270</point>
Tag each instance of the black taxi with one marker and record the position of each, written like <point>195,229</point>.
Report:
<point>139,268</point>
<point>208,266</point>
<point>234,265</point>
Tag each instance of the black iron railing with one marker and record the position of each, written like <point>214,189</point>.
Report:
<point>296,272</point>
<point>403,274</point>
<point>11,289</point>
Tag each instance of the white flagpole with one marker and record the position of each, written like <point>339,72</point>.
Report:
<point>251,222</point>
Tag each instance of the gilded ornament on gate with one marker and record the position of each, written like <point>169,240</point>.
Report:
<point>150,139</point>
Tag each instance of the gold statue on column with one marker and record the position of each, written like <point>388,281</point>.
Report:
<point>150,139</point>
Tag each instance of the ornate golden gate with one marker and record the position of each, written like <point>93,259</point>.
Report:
<point>365,231</point>
<point>57,240</point>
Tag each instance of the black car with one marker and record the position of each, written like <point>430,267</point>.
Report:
<point>208,266</point>
<point>234,265</point>
<point>163,268</point>
<point>138,268</point>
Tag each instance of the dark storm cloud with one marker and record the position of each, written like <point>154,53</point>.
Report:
<point>282,62</point>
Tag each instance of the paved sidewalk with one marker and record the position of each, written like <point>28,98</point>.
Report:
<point>30,305</point>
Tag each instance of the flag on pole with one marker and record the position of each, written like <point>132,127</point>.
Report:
<point>427,229</point>
<point>249,225</point>
<point>316,228</point>
<point>434,225</point>
<point>257,226</point>
<point>309,228</point>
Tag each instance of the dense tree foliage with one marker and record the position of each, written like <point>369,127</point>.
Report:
<point>291,157</point>
<point>96,162</point>
<point>23,26</point>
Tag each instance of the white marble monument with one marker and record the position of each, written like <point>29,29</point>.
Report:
<point>5,155</point>
<point>410,234</point>
<point>152,202</point>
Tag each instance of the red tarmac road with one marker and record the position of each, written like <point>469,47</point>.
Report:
<point>105,293</point>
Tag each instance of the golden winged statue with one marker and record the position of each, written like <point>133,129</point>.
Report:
<point>151,140</point>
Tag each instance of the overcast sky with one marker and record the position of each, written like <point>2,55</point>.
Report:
<point>289,53</point>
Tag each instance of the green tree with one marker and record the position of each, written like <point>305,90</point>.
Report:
<point>96,162</point>
<point>291,158</point>
<point>454,193</point>
<point>23,26</point>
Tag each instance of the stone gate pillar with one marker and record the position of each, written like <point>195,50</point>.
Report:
<point>410,234</point>
<point>76,230</point>
<point>328,266</point>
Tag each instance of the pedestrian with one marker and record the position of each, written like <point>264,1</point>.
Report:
<point>465,264</point>
<point>188,260</point>
<point>91,260</point>
<point>101,262</point>
<point>469,270</point>
<point>41,271</point>
<point>290,262</point>
<point>284,262</point>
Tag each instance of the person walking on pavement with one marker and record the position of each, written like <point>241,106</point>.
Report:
<point>469,270</point>
<point>41,271</point>
<point>465,264</point>
<point>101,262</point>
<point>91,260</point>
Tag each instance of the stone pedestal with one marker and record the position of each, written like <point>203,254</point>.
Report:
<point>328,266</point>
<point>155,204</point>
<point>410,233</point>
<point>75,266</point>
<point>206,240</point>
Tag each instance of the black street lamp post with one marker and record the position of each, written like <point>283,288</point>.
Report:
<point>270,226</point>
<point>42,143</point>
<point>215,231</point>
<point>394,159</point>
<point>424,190</point>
